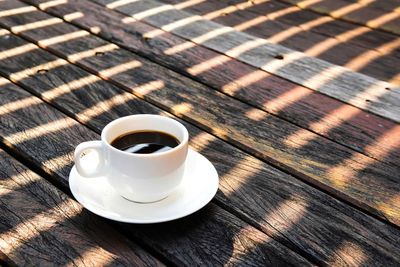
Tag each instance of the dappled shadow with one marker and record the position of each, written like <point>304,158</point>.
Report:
<point>335,41</point>
<point>223,248</point>
<point>360,13</point>
<point>190,237</point>
<point>180,101</point>
<point>41,225</point>
<point>291,212</point>
<point>216,237</point>
<point>211,128</point>
<point>308,221</point>
<point>249,49</point>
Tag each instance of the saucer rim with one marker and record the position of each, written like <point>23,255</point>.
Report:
<point>193,208</point>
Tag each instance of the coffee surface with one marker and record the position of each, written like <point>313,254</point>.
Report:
<point>145,142</point>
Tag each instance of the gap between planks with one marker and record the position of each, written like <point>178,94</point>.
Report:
<point>43,218</point>
<point>360,49</point>
<point>325,201</point>
<point>351,87</point>
<point>218,222</point>
<point>356,133</point>
<point>387,21</point>
<point>358,130</point>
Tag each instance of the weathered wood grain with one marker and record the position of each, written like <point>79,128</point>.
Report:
<point>301,217</point>
<point>354,12</point>
<point>41,226</point>
<point>388,5</point>
<point>311,157</point>
<point>328,117</point>
<point>351,87</point>
<point>342,30</point>
<point>322,24</point>
<point>52,150</point>
<point>377,64</point>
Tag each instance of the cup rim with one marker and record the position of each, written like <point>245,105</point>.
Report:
<point>183,143</point>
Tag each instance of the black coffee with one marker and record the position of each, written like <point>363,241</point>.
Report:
<point>145,142</point>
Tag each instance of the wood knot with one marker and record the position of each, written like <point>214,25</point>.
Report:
<point>388,88</point>
<point>98,54</point>
<point>42,71</point>
<point>367,100</point>
<point>280,57</point>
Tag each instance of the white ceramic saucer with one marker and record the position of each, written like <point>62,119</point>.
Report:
<point>198,187</point>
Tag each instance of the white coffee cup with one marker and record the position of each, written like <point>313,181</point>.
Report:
<point>138,177</point>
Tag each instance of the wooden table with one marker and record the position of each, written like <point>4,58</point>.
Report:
<point>296,103</point>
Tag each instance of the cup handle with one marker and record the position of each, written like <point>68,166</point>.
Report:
<point>86,146</point>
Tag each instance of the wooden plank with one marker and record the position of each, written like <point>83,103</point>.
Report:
<point>312,158</point>
<point>351,87</point>
<point>377,64</point>
<point>301,217</point>
<point>328,117</point>
<point>41,226</point>
<point>48,141</point>
<point>356,12</point>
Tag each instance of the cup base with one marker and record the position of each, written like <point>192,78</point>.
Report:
<point>145,202</point>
